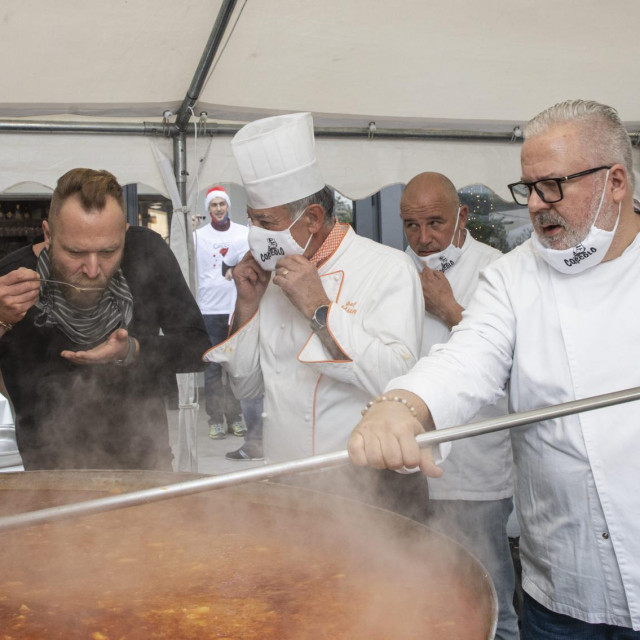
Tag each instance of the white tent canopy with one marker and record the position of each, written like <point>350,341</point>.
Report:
<point>462,65</point>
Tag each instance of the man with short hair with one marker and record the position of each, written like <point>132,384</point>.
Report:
<point>91,320</point>
<point>557,318</point>
<point>324,318</point>
<point>473,499</point>
<point>216,299</point>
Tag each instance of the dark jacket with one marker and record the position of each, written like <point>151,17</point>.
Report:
<point>105,416</point>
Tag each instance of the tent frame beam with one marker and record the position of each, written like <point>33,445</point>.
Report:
<point>202,70</point>
<point>171,130</point>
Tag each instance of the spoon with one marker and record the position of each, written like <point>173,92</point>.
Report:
<point>73,286</point>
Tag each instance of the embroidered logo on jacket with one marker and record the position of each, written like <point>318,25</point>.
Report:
<point>350,307</point>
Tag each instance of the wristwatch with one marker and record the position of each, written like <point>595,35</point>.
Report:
<point>131,354</point>
<point>319,319</point>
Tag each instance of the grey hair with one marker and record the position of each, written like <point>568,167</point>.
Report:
<point>604,134</point>
<point>324,198</point>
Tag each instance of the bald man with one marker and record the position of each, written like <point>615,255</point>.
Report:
<point>474,497</point>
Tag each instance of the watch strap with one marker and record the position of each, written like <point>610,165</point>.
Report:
<point>131,354</point>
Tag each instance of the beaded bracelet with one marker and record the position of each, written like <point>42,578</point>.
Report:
<point>414,413</point>
<point>7,326</point>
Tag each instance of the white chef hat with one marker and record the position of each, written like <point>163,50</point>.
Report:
<point>277,160</point>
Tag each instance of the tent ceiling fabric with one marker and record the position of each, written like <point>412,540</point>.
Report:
<point>483,66</point>
<point>495,60</point>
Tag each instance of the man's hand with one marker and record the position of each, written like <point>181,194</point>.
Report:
<point>438,297</point>
<point>114,348</point>
<point>385,437</point>
<point>251,281</point>
<point>19,291</point>
<point>300,282</point>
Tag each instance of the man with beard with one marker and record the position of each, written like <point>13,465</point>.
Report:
<point>90,320</point>
<point>558,319</point>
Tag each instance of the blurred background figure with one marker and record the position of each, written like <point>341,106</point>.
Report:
<point>216,299</point>
<point>251,408</point>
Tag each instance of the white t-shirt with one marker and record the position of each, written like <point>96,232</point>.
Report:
<point>216,294</point>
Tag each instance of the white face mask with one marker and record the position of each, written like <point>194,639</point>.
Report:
<point>585,254</point>
<point>447,258</point>
<point>267,247</point>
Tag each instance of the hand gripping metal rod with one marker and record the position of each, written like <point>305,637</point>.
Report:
<point>307,464</point>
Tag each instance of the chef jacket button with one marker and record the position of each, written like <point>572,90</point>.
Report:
<point>263,415</point>
<point>282,326</point>
<point>605,535</point>
<point>307,418</point>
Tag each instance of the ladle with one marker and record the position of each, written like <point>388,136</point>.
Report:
<point>308,464</point>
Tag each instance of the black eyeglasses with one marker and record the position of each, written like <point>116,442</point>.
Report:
<point>549,189</point>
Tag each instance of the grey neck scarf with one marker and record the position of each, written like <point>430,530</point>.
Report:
<point>85,327</point>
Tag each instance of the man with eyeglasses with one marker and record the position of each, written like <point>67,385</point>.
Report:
<point>557,318</point>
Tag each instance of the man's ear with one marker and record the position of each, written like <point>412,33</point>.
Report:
<point>47,233</point>
<point>619,182</point>
<point>315,218</point>
<point>464,216</point>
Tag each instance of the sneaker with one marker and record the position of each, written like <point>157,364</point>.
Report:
<point>244,454</point>
<point>238,429</point>
<point>217,431</point>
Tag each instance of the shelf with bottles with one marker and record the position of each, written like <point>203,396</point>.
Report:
<point>20,222</point>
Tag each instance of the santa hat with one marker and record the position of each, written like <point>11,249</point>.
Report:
<point>216,192</point>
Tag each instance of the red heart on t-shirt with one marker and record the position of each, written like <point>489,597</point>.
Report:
<point>224,251</point>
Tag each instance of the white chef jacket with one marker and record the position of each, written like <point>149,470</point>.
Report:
<point>479,468</point>
<point>562,337</point>
<point>216,294</point>
<point>312,402</point>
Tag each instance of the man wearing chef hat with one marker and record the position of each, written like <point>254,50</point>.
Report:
<point>324,318</point>
<point>557,318</point>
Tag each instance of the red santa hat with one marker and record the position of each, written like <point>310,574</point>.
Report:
<point>216,192</point>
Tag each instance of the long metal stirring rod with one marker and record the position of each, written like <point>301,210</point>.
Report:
<point>307,464</point>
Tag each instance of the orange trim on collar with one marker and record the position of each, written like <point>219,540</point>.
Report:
<point>330,244</point>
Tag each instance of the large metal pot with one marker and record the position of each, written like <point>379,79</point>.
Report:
<point>252,562</point>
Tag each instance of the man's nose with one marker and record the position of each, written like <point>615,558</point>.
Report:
<point>536,203</point>
<point>425,235</point>
<point>91,266</point>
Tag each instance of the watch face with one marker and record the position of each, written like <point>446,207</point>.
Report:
<point>321,315</point>
<point>319,320</point>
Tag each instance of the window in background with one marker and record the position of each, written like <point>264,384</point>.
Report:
<point>494,221</point>
<point>154,212</point>
<point>343,208</point>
